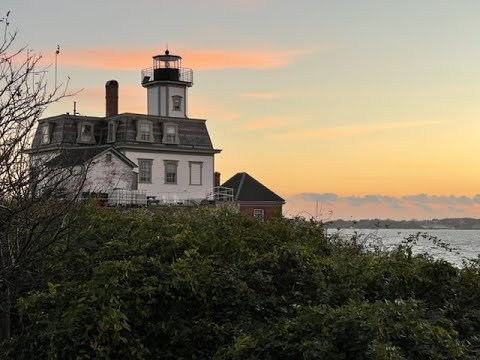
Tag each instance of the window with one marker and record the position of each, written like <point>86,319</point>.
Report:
<point>45,134</point>
<point>144,131</point>
<point>170,171</point>
<point>108,157</point>
<point>170,133</point>
<point>145,171</point>
<point>177,103</point>
<point>195,172</point>
<point>85,133</point>
<point>111,131</point>
<point>259,214</point>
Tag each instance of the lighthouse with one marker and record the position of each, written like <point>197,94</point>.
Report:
<point>167,84</point>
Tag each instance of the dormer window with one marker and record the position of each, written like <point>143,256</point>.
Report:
<point>112,129</point>
<point>45,134</point>
<point>144,131</point>
<point>85,133</point>
<point>170,133</point>
<point>177,103</point>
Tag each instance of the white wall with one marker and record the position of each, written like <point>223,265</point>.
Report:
<point>163,100</point>
<point>183,189</point>
<point>153,100</point>
<point>103,175</point>
<point>160,102</point>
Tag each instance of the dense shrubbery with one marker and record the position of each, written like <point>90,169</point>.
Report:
<point>214,284</point>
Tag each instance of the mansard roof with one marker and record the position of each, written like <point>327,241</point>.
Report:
<point>246,188</point>
<point>192,133</point>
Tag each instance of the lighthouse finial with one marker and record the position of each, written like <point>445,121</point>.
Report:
<point>166,51</point>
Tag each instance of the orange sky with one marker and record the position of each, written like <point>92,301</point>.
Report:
<point>376,103</point>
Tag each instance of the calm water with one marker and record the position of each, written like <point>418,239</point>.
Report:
<point>466,243</point>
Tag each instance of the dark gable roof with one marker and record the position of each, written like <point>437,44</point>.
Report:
<point>79,156</point>
<point>246,188</point>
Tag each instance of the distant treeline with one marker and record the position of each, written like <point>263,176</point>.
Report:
<point>449,223</point>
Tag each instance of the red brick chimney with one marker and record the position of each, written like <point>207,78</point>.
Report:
<point>111,98</point>
<point>217,178</point>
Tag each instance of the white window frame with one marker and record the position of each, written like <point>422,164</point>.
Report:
<point>112,131</point>
<point>45,137</point>
<point>167,137</point>
<point>142,178</point>
<point>140,137</point>
<point>190,163</point>
<point>177,103</point>
<point>167,164</point>
<point>259,214</point>
<point>80,136</point>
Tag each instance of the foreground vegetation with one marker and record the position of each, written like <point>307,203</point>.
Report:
<point>214,284</point>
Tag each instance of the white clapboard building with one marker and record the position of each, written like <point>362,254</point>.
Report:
<point>163,156</point>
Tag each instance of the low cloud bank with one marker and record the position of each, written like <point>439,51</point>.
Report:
<point>420,206</point>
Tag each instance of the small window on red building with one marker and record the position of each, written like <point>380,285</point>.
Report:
<point>259,214</point>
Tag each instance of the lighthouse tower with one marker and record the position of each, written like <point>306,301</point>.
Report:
<point>166,83</point>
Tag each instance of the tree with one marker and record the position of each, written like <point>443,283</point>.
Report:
<point>31,218</point>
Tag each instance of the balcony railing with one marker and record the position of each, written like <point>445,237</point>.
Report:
<point>167,74</point>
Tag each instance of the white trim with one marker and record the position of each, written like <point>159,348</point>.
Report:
<point>84,140</point>
<point>165,138</point>
<point>139,133</point>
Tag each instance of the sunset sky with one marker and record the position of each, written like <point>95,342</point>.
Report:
<point>346,108</point>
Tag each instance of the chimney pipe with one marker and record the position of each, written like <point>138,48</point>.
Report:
<point>217,178</point>
<point>111,98</point>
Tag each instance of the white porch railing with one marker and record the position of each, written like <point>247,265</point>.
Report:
<point>220,194</point>
<point>123,197</point>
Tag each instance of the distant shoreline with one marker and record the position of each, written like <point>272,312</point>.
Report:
<point>434,224</point>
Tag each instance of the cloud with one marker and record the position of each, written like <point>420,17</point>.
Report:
<point>442,199</point>
<point>325,197</point>
<point>421,206</point>
<point>268,122</point>
<point>355,130</point>
<point>201,59</point>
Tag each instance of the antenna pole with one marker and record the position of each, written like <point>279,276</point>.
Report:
<point>56,56</point>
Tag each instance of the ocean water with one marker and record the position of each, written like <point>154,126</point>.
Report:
<point>463,244</point>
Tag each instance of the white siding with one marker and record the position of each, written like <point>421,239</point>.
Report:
<point>160,100</point>
<point>153,100</point>
<point>182,189</point>
<point>103,176</point>
<point>163,100</point>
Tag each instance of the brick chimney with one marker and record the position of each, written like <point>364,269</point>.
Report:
<point>217,178</point>
<point>111,98</point>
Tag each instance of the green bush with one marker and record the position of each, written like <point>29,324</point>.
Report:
<point>214,284</point>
